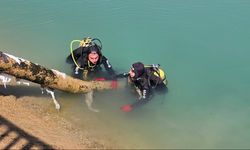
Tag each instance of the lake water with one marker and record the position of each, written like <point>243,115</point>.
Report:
<point>202,45</point>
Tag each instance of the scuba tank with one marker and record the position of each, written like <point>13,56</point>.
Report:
<point>157,71</point>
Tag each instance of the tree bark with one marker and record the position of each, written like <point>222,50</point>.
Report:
<point>24,69</point>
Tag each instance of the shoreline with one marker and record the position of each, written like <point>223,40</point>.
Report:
<point>22,114</point>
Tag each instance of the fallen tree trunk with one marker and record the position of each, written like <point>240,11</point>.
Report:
<point>24,69</point>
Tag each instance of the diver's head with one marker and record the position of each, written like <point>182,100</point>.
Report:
<point>94,54</point>
<point>136,70</point>
<point>94,48</point>
<point>93,57</point>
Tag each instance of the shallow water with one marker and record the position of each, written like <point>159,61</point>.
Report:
<point>202,45</point>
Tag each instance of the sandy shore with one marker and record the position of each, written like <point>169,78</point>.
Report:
<point>25,123</point>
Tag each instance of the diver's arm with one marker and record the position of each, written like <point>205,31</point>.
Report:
<point>143,91</point>
<point>139,102</point>
<point>108,66</point>
<point>143,99</point>
<point>122,75</point>
<point>76,53</point>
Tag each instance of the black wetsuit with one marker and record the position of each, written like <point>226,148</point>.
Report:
<point>146,84</point>
<point>93,70</point>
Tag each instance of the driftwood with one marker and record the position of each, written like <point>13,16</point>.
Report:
<point>21,70</point>
<point>49,78</point>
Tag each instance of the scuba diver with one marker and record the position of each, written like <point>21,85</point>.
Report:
<point>145,79</point>
<point>88,58</point>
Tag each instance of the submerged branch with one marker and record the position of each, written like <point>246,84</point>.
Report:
<point>49,78</point>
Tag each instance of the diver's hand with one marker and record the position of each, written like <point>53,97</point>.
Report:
<point>100,79</point>
<point>127,108</point>
<point>114,84</point>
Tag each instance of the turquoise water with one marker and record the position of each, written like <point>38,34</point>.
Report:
<point>202,45</point>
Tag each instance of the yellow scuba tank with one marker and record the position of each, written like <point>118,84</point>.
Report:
<point>158,72</point>
<point>162,75</point>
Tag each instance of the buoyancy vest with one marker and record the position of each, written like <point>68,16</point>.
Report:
<point>155,74</point>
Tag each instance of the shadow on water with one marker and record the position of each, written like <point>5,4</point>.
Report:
<point>20,135</point>
<point>20,91</point>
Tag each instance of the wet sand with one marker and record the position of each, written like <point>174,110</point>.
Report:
<point>24,123</point>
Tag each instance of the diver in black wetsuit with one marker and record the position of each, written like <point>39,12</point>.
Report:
<point>88,59</point>
<point>145,79</point>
